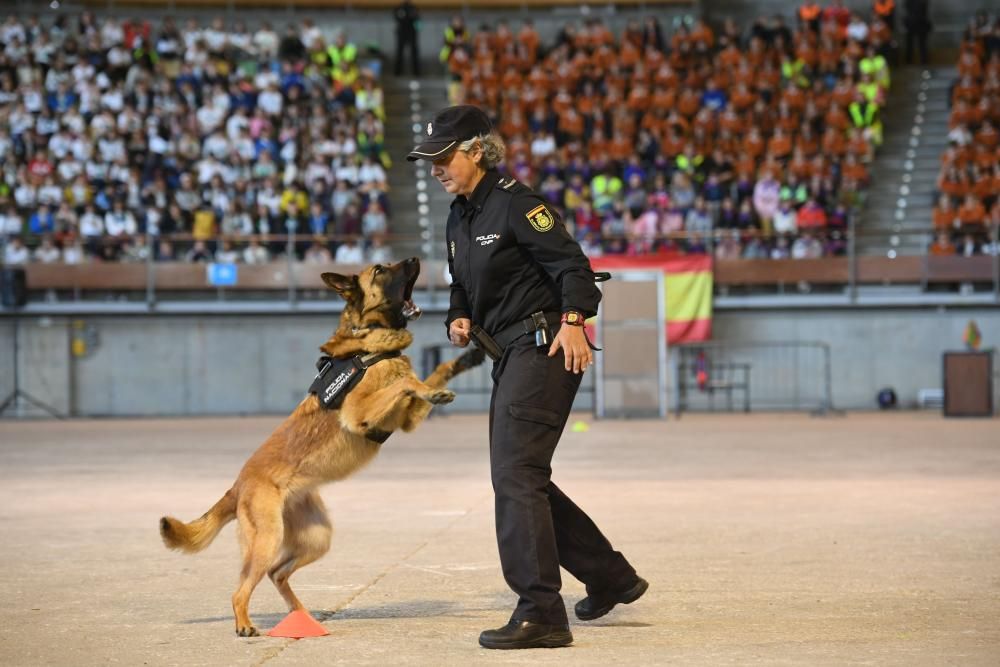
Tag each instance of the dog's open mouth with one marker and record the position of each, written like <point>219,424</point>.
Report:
<point>411,311</point>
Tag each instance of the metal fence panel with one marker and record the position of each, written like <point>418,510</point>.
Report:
<point>779,375</point>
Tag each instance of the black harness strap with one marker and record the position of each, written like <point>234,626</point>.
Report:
<point>337,377</point>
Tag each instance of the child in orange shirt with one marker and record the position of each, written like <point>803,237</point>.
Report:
<point>780,145</point>
<point>972,212</point>
<point>942,246</point>
<point>945,216</point>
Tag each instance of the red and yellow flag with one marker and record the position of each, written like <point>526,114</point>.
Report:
<point>687,291</point>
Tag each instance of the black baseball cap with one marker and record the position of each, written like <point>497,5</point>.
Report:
<point>450,127</point>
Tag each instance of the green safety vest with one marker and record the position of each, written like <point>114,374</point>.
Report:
<point>686,164</point>
<point>604,188</point>
<point>792,71</point>
<point>800,194</point>
<point>865,117</point>
<point>348,53</point>
<point>449,39</point>
<point>872,65</point>
<point>869,90</point>
<point>154,57</point>
<point>319,58</point>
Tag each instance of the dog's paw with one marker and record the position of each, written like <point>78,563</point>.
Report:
<point>247,631</point>
<point>440,397</point>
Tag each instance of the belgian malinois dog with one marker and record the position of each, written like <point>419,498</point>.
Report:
<point>283,524</point>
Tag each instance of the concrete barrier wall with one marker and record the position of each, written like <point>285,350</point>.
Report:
<point>190,365</point>
<point>223,364</point>
<point>870,349</point>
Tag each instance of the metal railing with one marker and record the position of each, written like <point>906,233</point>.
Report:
<point>752,375</point>
<point>286,279</point>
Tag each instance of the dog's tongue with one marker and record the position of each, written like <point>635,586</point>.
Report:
<point>411,311</point>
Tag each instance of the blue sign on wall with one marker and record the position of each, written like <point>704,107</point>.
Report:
<point>222,275</point>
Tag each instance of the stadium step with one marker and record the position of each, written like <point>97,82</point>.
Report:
<point>419,205</point>
<point>904,174</point>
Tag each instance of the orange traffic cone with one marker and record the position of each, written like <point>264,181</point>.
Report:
<point>297,625</point>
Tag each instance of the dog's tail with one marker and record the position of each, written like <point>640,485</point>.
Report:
<point>195,536</point>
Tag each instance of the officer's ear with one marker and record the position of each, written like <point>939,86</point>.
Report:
<point>477,152</point>
<point>347,287</point>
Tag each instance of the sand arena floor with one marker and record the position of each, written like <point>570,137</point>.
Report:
<point>767,539</point>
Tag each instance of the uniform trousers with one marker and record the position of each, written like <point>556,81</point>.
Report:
<point>538,527</point>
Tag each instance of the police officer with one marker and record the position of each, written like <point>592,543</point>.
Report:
<point>522,288</point>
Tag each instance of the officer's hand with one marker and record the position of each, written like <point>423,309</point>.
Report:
<point>573,342</point>
<point>458,332</point>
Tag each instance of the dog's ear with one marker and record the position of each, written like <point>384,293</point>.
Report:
<point>346,286</point>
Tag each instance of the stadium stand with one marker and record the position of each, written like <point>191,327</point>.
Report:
<point>746,144</point>
<point>761,139</point>
<point>217,141</point>
<point>968,208</point>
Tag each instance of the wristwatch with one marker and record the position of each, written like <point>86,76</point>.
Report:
<point>573,318</point>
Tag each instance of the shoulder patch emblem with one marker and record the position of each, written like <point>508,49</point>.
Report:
<point>540,218</point>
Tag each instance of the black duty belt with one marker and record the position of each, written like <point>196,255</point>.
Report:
<point>509,334</point>
<point>494,346</point>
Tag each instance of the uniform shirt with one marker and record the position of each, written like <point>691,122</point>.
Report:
<point>510,256</point>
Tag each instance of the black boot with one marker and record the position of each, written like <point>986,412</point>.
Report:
<point>599,604</point>
<point>526,634</point>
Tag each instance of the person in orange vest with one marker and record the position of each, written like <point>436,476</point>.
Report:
<point>809,15</point>
<point>886,10</point>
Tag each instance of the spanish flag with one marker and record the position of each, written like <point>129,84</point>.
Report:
<point>687,291</point>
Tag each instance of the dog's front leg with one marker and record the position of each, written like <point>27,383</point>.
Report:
<point>447,370</point>
<point>443,374</point>
<point>385,408</point>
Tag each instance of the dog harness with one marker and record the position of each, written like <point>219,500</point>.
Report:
<point>337,377</point>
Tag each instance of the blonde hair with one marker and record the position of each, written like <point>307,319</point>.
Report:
<point>493,148</point>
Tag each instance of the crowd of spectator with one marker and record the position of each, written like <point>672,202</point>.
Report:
<point>754,144</point>
<point>969,183</point>
<point>204,143</point>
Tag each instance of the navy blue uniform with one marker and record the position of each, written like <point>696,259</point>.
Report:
<point>509,257</point>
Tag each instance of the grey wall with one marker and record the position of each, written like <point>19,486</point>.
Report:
<point>43,363</point>
<point>171,365</point>
<point>218,364</point>
<point>870,349</point>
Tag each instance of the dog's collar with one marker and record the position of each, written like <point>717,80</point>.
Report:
<point>337,376</point>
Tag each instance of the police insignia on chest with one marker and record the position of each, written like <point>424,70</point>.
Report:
<point>452,247</point>
<point>540,218</point>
